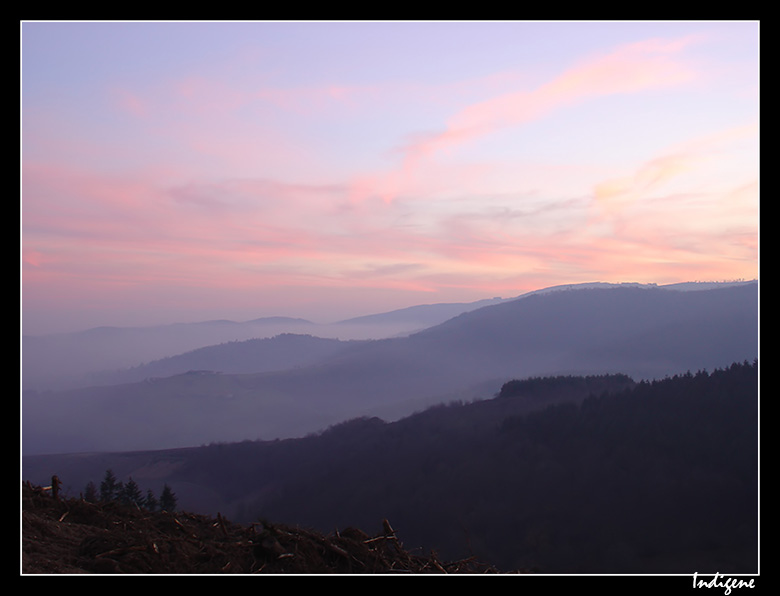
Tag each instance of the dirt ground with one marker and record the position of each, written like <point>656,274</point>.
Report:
<point>72,536</point>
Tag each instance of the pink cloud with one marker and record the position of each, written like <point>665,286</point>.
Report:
<point>131,103</point>
<point>104,230</point>
<point>615,194</point>
<point>694,166</point>
<point>634,68</point>
<point>628,69</point>
<point>33,258</point>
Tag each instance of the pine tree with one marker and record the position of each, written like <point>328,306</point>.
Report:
<point>109,488</point>
<point>131,494</point>
<point>90,492</point>
<point>150,502</point>
<point>167,499</point>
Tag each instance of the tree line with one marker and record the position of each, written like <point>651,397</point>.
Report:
<point>129,493</point>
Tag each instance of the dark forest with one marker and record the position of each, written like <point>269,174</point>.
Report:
<point>649,477</point>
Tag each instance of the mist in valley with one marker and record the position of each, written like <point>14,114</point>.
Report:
<point>291,384</point>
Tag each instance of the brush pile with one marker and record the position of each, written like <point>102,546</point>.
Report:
<point>71,536</point>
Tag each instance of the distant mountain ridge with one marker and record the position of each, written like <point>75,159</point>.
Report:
<point>70,360</point>
<point>640,331</point>
<point>79,359</point>
<point>423,314</point>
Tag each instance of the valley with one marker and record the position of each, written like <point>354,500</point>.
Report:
<point>582,430</point>
<point>301,384</point>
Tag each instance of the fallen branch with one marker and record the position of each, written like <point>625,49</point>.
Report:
<point>121,551</point>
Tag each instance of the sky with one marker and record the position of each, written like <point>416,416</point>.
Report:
<point>184,171</point>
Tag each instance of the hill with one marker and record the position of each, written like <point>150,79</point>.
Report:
<point>95,356</point>
<point>659,477</point>
<point>642,332</point>
<point>645,333</point>
<point>566,474</point>
<point>70,360</point>
<point>415,318</point>
<point>102,354</point>
<point>73,536</point>
<point>281,352</point>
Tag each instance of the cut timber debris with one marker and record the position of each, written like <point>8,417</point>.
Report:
<point>75,536</point>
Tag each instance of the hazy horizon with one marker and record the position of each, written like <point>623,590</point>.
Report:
<point>62,327</point>
<point>191,171</point>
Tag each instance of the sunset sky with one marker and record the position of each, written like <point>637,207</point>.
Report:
<point>180,171</point>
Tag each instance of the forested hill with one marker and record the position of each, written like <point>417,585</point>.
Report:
<point>649,477</point>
